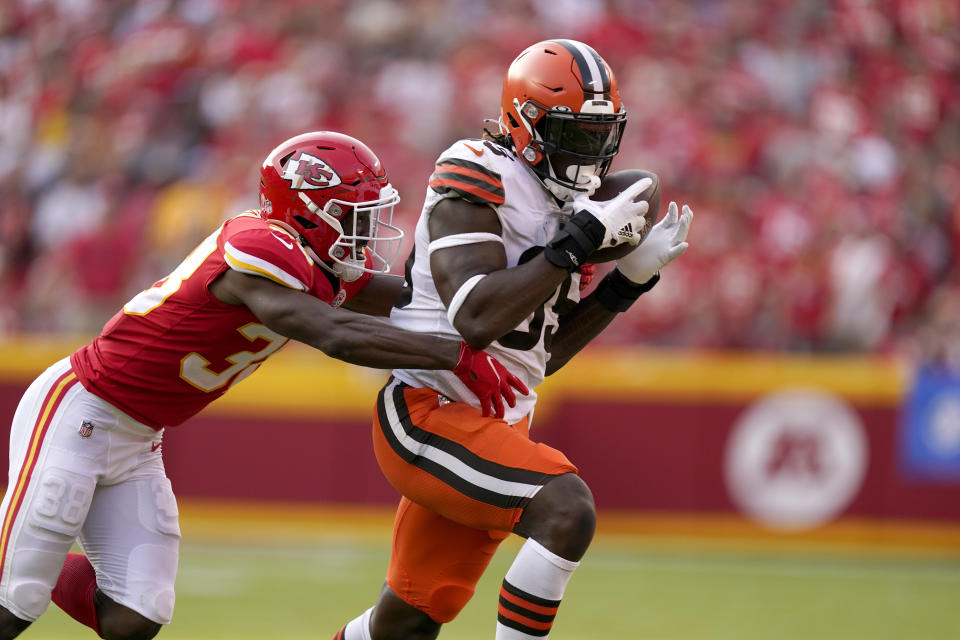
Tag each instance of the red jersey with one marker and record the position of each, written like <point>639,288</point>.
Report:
<point>175,348</point>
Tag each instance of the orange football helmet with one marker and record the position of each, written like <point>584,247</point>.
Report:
<point>318,183</point>
<point>561,108</point>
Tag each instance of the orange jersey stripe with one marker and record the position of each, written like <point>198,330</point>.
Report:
<point>529,606</point>
<point>525,621</point>
<point>483,194</point>
<point>50,405</point>
<point>472,173</point>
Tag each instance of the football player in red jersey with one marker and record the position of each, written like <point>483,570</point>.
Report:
<point>505,230</point>
<point>85,463</point>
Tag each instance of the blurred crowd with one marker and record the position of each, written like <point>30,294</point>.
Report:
<point>818,142</point>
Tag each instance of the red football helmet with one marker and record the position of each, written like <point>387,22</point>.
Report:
<point>317,183</point>
<point>561,108</point>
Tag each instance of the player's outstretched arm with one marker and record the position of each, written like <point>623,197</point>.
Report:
<point>339,333</point>
<point>366,341</point>
<point>377,296</point>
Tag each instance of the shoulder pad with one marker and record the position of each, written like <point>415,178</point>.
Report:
<point>257,248</point>
<point>469,170</point>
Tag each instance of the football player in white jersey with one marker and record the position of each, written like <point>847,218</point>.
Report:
<point>506,227</point>
<point>85,458</point>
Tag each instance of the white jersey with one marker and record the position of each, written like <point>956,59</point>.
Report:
<point>483,172</point>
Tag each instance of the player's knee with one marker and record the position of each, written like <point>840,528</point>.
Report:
<point>575,515</point>
<point>29,597</point>
<point>562,517</point>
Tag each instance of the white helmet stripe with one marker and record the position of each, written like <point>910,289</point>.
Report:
<point>589,62</point>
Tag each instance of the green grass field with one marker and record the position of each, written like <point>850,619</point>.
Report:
<point>626,589</point>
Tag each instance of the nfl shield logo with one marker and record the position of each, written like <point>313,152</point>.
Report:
<point>86,429</point>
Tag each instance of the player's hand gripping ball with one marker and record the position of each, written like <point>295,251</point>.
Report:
<point>613,184</point>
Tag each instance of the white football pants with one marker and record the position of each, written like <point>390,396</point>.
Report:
<point>82,470</point>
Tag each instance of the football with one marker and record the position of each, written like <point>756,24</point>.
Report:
<point>612,185</point>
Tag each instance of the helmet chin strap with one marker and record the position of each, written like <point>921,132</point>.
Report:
<point>345,272</point>
<point>348,272</point>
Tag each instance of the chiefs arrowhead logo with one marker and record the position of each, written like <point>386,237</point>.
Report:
<point>310,172</point>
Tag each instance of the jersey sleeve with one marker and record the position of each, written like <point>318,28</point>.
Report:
<point>468,170</point>
<point>257,248</point>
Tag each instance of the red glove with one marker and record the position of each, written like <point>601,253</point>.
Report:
<point>487,379</point>
<point>587,271</point>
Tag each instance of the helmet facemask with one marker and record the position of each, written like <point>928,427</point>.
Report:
<point>575,149</point>
<point>369,234</point>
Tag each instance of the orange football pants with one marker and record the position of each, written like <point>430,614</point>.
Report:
<point>465,481</point>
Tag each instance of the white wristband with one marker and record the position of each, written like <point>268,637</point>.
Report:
<point>461,295</point>
<point>457,239</point>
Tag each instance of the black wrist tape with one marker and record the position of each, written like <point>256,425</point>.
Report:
<point>580,237</point>
<point>616,293</point>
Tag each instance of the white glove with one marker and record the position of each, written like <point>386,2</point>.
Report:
<point>665,243</point>
<point>622,218</point>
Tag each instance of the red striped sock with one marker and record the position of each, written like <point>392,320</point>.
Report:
<point>74,590</point>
